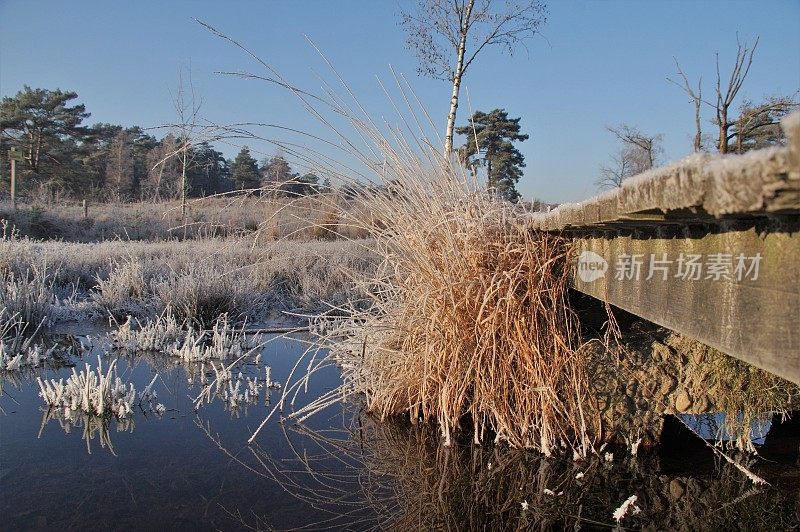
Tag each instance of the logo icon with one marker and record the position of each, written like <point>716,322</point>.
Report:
<point>591,266</point>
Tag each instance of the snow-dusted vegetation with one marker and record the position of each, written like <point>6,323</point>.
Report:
<point>198,280</point>
<point>94,392</point>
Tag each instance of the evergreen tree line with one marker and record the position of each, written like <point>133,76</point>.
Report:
<point>105,162</point>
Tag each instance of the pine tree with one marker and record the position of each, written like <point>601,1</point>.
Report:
<point>495,133</point>
<point>48,131</point>
<point>244,170</point>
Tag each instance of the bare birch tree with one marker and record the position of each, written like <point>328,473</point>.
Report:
<point>639,152</point>
<point>187,111</point>
<point>447,35</point>
<point>190,132</point>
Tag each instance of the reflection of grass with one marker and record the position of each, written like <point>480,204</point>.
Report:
<point>396,476</point>
<point>92,425</point>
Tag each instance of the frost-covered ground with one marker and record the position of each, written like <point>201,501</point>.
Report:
<point>197,280</point>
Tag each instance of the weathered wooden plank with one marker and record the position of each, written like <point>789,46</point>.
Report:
<point>743,300</point>
<point>763,181</point>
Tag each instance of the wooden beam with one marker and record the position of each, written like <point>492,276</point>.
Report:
<point>744,300</point>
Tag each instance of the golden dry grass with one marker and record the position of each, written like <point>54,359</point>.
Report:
<point>470,322</point>
<point>467,321</point>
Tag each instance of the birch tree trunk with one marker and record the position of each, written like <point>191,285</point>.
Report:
<point>183,181</point>
<point>457,74</point>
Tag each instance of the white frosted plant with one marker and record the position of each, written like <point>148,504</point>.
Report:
<point>16,349</point>
<point>30,357</point>
<point>226,342</point>
<point>149,398</point>
<point>626,508</point>
<point>239,391</point>
<point>91,391</point>
<point>161,334</point>
<point>234,388</point>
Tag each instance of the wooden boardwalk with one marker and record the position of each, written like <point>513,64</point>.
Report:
<point>708,247</point>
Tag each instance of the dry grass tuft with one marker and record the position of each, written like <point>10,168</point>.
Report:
<point>469,322</point>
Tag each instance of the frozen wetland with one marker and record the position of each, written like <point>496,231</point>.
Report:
<point>161,442</point>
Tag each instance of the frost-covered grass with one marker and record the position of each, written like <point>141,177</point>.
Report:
<point>19,350</point>
<point>222,342</point>
<point>202,282</point>
<point>28,295</point>
<point>161,334</point>
<point>212,217</point>
<point>204,354</point>
<point>198,280</point>
<point>12,359</point>
<point>93,392</point>
<point>26,287</point>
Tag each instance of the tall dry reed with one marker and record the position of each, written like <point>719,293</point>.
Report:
<point>469,322</point>
<point>466,321</point>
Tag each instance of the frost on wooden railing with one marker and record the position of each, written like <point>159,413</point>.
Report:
<point>700,186</point>
<point>708,247</point>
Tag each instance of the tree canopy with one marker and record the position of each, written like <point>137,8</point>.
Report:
<point>490,140</point>
<point>101,161</point>
<point>244,170</point>
<point>39,121</point>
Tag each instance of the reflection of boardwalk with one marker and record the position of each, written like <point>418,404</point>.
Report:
<point>708,247</point>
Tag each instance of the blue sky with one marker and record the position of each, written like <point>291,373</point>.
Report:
<point>596,63</point>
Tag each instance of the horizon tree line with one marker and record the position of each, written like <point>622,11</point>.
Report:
<point>63,157</point>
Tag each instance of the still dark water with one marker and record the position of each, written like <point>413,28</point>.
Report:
<point>193,470</point>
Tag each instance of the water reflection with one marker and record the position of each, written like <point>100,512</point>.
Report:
<point>193,469</point>
<point>93,426</point>
<point>237,388</point>
<point>715,426</point>
<point>394,475</point>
